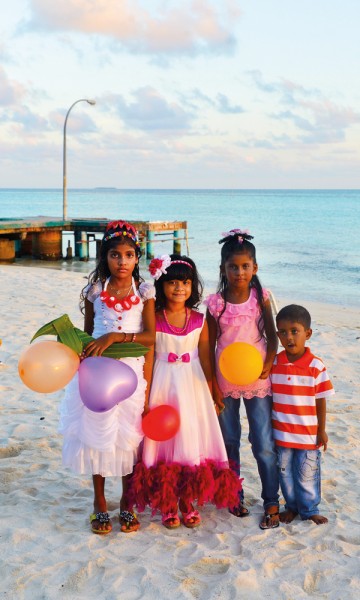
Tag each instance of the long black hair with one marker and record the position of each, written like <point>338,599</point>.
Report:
<point>237,242</point>
<point>180,271</point>
<point>117,232</point>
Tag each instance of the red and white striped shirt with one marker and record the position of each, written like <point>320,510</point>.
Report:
<point>295,388</point>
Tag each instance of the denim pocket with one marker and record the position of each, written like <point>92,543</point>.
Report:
<point>310,466</point>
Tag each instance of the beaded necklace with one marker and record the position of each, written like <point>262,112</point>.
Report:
<point>174,329</point>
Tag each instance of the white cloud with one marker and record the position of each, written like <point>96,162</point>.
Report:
<point>11,92</point>
<point>150,111</point>
<point>310,111</point>
<point>190,26</point>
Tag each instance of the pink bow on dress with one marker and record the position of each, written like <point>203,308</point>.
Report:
<point>172,357</point>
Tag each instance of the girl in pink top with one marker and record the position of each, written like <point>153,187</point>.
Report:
<point>193,465</point>
<point>240,312</point>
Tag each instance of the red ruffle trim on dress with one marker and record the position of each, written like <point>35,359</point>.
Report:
<point>161,486</point>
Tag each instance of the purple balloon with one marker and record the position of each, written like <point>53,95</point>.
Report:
<point>104,382</point>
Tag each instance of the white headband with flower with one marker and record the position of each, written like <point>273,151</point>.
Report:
<point>158,266</point>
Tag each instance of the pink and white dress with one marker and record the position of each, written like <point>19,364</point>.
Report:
<point>193,464</point>
<point>107,443</point>
<point>239,323</point>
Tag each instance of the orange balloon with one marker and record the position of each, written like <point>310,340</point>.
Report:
<point>240,363</point>
<point>47,366</point>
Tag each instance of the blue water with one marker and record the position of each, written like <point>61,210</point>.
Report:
<point>307,240</point>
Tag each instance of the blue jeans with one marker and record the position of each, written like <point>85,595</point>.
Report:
<point>258,412</point>
<point>300,480</point>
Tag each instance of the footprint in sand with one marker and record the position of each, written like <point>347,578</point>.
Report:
<point>10,451</point>
<point>211,566</point>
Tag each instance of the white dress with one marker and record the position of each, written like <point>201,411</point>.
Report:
<point>193,465</point>
<point>106,443</point>
<point>183,386</point>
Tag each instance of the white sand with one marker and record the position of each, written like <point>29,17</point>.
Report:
<point>47,548</point>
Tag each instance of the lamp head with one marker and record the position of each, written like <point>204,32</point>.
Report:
<point>92,102</point>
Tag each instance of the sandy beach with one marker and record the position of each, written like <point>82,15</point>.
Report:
<point>47,548</point>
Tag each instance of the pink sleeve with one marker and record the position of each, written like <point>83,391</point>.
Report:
<point>215,304</point>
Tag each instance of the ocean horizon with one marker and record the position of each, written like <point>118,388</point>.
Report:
<point>306,240</point>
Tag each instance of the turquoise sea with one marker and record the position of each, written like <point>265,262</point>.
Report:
<point>307,240</point>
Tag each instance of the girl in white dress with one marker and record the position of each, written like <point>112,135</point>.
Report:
<point>193,465</point>
<point>118,307</point>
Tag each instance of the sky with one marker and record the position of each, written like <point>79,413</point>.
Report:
<point>189,93</point>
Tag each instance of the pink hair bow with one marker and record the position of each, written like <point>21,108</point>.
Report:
<point>234,232</point>
<point>172,357</point>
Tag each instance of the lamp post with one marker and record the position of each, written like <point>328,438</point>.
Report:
<point>92,102</point>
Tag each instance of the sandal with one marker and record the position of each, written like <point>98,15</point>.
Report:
<point>191,519</point>
<point>103,518</point>
<point>170,520</point>
<point>267,523</point>
<point>239,511</point>
<point>128,521</point>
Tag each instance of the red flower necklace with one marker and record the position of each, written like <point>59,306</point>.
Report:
<point>121,304</point>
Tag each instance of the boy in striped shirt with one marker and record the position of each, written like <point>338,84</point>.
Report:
<point>300,386</point>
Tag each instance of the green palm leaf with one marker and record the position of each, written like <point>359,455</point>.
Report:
<point>76,339</point>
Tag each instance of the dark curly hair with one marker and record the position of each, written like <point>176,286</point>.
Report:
<point>235,243</point>
<point>181,272</point>
<point>101,271</point>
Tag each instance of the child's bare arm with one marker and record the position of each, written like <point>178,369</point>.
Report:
<point>217,395</point>
<point>322,437</point>
<point>272,341</point>
<point>148,371</point>
<point>147,336</point>
<point>89,317</point>
<point>204,354</point>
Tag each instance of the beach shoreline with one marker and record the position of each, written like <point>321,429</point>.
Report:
<point>46,542</point>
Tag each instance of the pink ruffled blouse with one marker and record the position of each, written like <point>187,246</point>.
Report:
<point>239,323</point>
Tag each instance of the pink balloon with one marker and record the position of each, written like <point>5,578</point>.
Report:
<point>47,366</point>
<point>104,382</point>
<point>161,423</point>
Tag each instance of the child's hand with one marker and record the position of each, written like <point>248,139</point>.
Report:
<point>218,399</point>
<point>98,346</point>
<point>322,439</point>
<point>146,409</point>
<point>266,371</point>
<point>219,407</point>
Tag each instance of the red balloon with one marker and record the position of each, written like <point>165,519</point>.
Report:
<point>161,423</point>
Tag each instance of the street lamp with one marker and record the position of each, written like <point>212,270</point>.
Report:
<point>92,102</point>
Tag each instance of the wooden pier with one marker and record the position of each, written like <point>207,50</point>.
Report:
<point>42,237</point>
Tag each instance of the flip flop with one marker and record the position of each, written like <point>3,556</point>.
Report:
<point>128,521</point>
<point>102,517</point>
<point>266,521</point>
<point>239,511</point>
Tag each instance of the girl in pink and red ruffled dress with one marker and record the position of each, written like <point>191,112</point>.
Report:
<point>193,465</point>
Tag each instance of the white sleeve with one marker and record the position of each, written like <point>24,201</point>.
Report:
<point>147,291</point>
<point>92,291</point>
